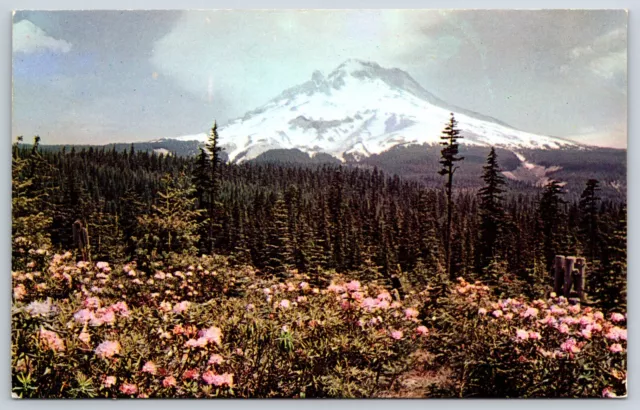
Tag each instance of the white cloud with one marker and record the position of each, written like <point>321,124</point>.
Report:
<point>606,56</point>
<point>29,38</point>
<point>611,65</point>
<point>248,57</point>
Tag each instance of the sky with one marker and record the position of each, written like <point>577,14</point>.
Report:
<point>95,77</point>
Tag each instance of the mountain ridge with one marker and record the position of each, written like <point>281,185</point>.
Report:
<point>360,109</point>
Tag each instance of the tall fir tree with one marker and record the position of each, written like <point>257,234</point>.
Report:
<point>448,158</point>
<point>213,190</point>
<point>31,223</point>
<point>552,213</point>
<point>491,210</point>
<point>172,224</point>
<point>589,209</point>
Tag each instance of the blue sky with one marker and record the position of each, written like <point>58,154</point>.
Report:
<point>103,76</point>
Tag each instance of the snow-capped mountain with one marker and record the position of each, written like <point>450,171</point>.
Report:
<point>361,109</point>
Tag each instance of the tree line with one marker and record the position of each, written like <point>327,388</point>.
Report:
<point>142,206</point>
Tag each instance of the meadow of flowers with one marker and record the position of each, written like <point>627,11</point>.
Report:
<point>198,327</point>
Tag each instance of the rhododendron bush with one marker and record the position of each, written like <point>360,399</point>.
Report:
<point>524,348</point>
<point>198,327</point>
<point>95,330</point>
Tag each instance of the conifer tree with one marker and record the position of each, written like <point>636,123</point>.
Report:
<point>31,224</point>
<point>279,244</point>
<point>589,229</point>
<point>551,212</point>
<point>337,214</point>
<point>214,184</point>
<point>448,158</point>
<point>491,210</point>
<point>172,224</point>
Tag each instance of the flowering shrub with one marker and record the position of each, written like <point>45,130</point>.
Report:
<point>521,348</point>
<point>199,328</point>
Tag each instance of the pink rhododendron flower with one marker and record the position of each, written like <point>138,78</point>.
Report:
<point>586,333</point>
<point>522,334</point>
<point>353,286</point>
<point>563,328</point>
<point>121,308</point>
<point>497,313</point>
<point>83,316</point>
<point>19,292</point>
<point>508,316</point>
<point>210,377</point>
<point>555,310</point>
<point>608,393</point>
<point>108,349</point>
<point>336,288</point>
<point>107,316</point>
<point>37,309</point>
<point>530,312</point>
<point>109,381</point>
<point>169,381</point>
<point>200,342</point>
<point>574,309</point>
<point>616,333</point>
<point>128,388</point>
<point>191,374</point>
<point>384,295</point>
<point>410,313</point>
<point>569,320</point>
<point>91,303</point>
<point>149,367</point>
<point>359,296</point>
<point>617,317</point>
<point>368,304</point>
<point>85,337</point>
<point>181,307</point>
<point>284,304</point>
<point>212,334</point>
<point>548,320</point>
<point>215,359</point>
<point>304,286</point>
<point>102,265</point>
<point>482,311</point>
<point>383,304</point>
<point>570,346</point>
<point>422,330</point>
<point>396,334</point>
<point>586,320</point>
<point>616,348</point>
<point>534,336</point>
<point>598,315</point>
<point>51,340</point>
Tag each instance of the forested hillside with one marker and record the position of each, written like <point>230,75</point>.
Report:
<point>139,205</point>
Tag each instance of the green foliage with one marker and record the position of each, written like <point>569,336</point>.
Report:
<point>279,339</point>
<point>519,348</point>
<point>172,224</point>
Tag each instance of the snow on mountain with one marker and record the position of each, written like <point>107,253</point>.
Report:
<point>361,109</point>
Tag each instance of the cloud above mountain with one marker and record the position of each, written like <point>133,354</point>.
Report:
<point>548,71</point>
<point>150,74</point>
<point>29,38</point>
